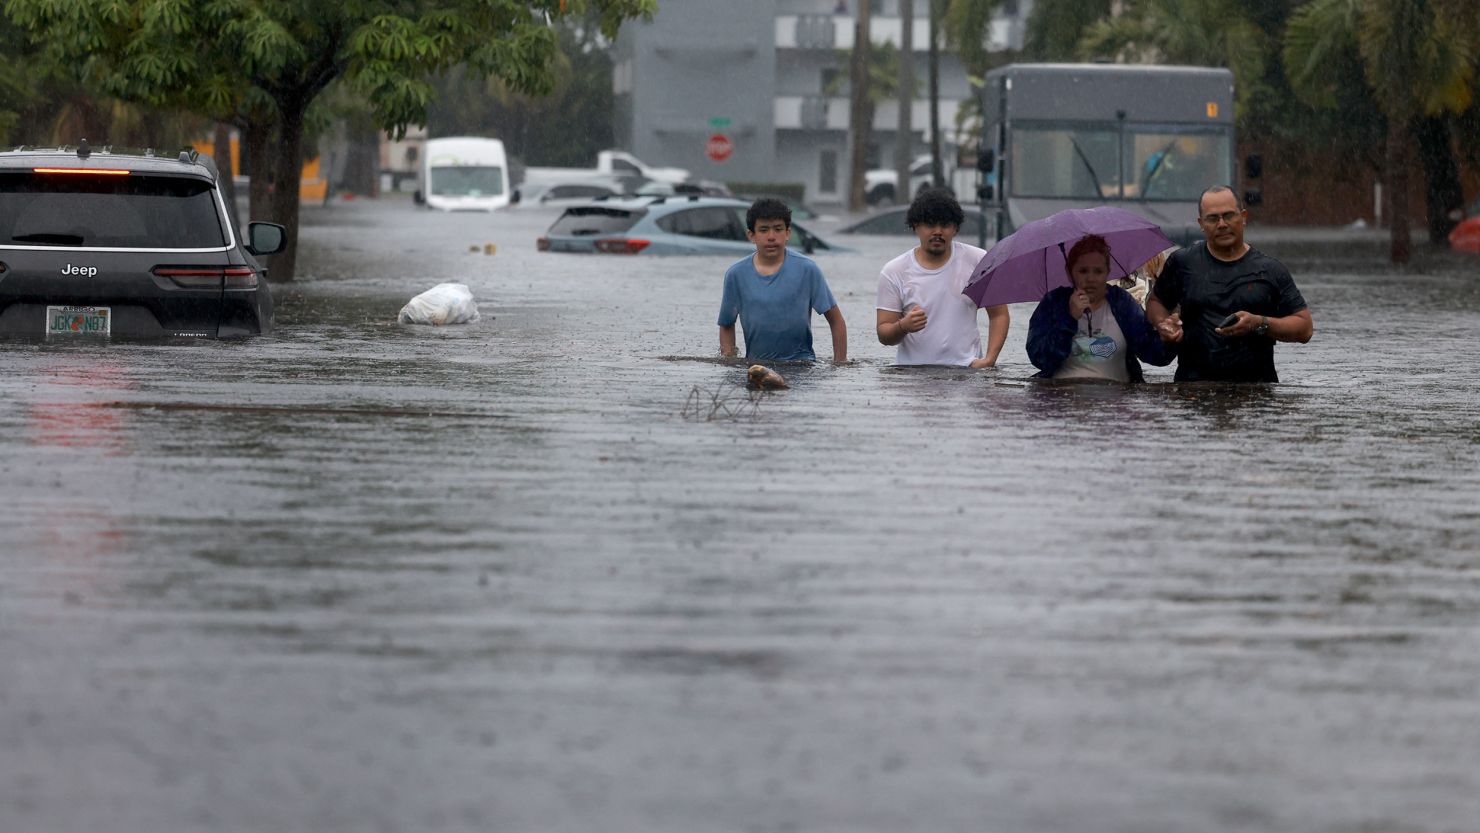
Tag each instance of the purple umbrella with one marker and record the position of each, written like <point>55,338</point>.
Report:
<point>1026,264</point>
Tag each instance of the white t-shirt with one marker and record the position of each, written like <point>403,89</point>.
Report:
<point>950,336</point>
<point>1099,349</point>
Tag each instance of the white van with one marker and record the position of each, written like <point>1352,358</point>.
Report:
<point>464,173</point>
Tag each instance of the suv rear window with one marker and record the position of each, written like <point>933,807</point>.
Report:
<point>714,223</point>
<point>128,212</point>
<point>591,220</point>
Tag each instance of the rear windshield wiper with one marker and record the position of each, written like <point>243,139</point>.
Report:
<point>49,238</point>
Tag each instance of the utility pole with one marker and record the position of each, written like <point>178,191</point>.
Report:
<point>861,111</point>
<point>936,177</point>
<point>904,148</point>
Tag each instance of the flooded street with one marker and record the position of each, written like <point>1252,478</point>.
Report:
<point>357,576</point>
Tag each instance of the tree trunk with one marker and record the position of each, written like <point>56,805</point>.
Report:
<point>937,177</point>
<point>1396,164</point>
<point>860,111</point>
<point>904,148</point>
<point>1441,175</point>
<point>258,166</point>
<point>361,174</point>
<point>221,151</point>
<point>287,171</point>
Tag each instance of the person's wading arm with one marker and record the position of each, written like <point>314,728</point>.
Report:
<point>998,321</point>
<point>839,329</point>
<point>727,341</point>
<point>1167,325</point>
<point>893,327</point>
<point>1298,327</point>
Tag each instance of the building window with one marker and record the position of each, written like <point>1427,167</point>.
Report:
<point>827,173</point>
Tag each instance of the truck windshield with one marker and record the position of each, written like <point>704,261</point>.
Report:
<point>1140,162</point>
<point>468,181</point>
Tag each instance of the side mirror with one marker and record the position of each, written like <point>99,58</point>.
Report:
<point>419,198</point>
<point>1253,166</point>
<point>986,160</point>
<point>266,238</point>
<point>1253,197</point>
<point>514,197</point>
<point>809,243</point>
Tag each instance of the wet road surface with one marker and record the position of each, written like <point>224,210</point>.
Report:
<point>365,577</point>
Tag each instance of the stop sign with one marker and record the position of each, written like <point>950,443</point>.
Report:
<point>719,147</point>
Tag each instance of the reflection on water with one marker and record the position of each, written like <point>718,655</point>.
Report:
<point>363,576</point>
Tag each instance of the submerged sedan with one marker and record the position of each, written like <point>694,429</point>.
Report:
<point>680,225</point>
<point>113,244</point>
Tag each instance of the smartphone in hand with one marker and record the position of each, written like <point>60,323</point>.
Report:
<point>1229,321</point>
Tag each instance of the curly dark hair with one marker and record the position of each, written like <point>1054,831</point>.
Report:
<point>1087,244</point>
<point>767,208</point>
<point>935,207</point>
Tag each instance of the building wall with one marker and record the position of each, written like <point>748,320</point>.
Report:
<point>700,61</point>
<point>758,71</point>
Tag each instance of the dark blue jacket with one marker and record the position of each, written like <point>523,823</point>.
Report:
<point>1051,333</point>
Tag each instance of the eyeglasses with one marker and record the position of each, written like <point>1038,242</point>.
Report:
<point>1227,217</point>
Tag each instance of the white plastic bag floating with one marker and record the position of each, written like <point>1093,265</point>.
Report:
<point>445,303</point>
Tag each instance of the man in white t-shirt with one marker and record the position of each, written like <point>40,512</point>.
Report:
<point>920,305</point>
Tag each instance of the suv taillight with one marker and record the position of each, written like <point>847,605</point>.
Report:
<point>209,277</point>
<point>542,244</point>
<point>622,245</point>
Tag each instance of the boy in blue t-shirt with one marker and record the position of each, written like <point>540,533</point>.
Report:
<point>774,291</point>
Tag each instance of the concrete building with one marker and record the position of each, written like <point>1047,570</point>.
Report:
<point>768,76</point>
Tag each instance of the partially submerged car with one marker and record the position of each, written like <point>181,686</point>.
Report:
<point>103,243</point>
<point>892,222</point>
<point>681,225</point>
<point>562,194</point>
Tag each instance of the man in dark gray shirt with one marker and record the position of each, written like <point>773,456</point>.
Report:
<point>1225,279</point>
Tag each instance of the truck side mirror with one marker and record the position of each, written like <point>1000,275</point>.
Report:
<point>1253,166</point>
<point>1253,197</point>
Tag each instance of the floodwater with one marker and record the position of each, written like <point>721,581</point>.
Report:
<point>555,571</point>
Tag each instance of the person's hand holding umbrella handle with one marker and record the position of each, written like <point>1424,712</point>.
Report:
<point>1078,304</point>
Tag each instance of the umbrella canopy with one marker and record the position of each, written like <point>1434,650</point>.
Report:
<point>1025,265</point>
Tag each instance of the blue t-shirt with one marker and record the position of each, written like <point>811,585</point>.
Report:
<point>775,311</point>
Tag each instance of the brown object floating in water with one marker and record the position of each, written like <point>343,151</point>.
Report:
<point>765,378</point>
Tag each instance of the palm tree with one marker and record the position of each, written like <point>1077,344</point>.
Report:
<point>1418,59</point>
<point>1055,27</point>
<point>1194,32</point>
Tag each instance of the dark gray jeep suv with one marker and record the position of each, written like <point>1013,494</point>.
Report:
<point>126,244</point>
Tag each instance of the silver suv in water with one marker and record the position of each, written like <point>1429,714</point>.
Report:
<point>98,243</point>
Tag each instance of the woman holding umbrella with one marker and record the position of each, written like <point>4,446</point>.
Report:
<point>1091,330</point>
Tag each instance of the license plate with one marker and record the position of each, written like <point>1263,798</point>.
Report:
<point>79,321</point>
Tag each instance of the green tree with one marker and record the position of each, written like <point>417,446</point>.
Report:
<point>883,73</point>
<point>273,59</point>
<point>1193,32</point>
<point>967,27</point>
<point>1418,59</point>
<point>565,127</point>
<point>1055,27</point>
